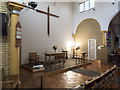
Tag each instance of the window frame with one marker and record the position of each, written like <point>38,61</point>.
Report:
<point>84,6</point>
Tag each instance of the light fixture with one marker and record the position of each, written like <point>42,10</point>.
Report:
<point>32,4</point>
<point>69,44</point>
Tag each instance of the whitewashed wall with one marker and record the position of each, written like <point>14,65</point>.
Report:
<point>34,29</point>
<point>34,25</point>
<point>104,12</point>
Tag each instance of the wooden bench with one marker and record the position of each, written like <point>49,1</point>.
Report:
<point>104,80</point>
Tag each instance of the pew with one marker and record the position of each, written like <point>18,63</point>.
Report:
<point>104,80</point>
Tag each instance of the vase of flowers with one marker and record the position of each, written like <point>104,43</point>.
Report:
<point>55,48</point>
<point>77,48</point>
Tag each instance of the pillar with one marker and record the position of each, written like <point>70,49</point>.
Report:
<point>104,37</point>
<point>14,59</point>
<point>14,51</point>
<point>103,51</point>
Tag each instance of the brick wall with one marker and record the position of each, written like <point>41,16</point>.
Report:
<point>3,7</point>
<point>5,46</point>
<point>6,53</point>
<point>5,43</point>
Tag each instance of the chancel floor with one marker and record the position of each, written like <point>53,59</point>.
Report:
<point>63,79</point>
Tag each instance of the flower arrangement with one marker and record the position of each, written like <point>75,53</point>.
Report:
<point>77,48</point>
<point>55,48</point>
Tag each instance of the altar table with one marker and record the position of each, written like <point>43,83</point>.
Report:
<point>60,54</point>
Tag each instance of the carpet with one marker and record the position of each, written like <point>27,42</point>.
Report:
<point>86,72</point>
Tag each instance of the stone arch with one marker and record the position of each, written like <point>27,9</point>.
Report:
<point>113,29</point>
<point>88,29</point>
<point>88,19</point>
<point>83,20</point>
<point>113,18</point>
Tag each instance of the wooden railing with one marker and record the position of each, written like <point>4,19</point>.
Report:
<point>104,80</point>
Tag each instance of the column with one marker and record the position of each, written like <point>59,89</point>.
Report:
<point>104,37</point>
<point>14,51</point>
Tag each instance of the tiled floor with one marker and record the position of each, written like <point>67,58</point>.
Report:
<point>67,79</point>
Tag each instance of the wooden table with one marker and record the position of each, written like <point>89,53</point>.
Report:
<point>54,54</point>
<point>58,58</point>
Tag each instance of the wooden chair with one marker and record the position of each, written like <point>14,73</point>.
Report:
<point>79,59</point>
<point>33,58</point>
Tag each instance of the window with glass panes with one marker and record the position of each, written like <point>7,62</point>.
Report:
<point>87,5</point>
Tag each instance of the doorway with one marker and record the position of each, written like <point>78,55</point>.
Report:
<point>91,49</point>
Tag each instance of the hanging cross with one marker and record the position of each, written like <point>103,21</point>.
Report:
<point>40,11</point>
<point>48,18</point>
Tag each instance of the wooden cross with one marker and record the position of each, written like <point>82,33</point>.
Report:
<point>48,18</point>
